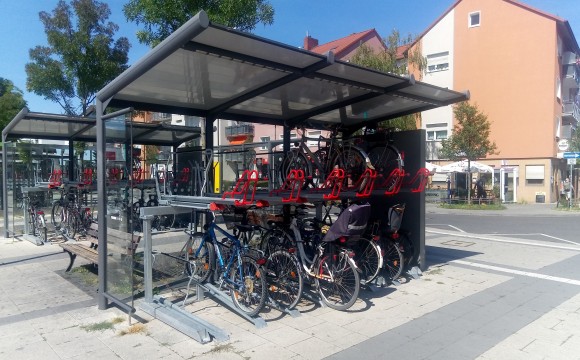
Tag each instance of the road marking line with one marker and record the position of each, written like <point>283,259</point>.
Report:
<point>518,272</point>
<point>456,228</point>
<point>451,226</point>
<point>471,236</point>
<point>532,234</point>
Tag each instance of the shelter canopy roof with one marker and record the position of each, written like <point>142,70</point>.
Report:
<point>212,71</point>
<point>31,125</point>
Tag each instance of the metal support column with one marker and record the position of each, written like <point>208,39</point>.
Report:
<point>101,205</point>
<point>71,160</point>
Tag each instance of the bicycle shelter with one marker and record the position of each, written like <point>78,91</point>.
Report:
<point>214,72</point>
<point>207,70</point>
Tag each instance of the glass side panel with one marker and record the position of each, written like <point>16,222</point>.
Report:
<point>120,219</point>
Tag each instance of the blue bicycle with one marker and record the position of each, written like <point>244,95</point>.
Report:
<point>230,263</point>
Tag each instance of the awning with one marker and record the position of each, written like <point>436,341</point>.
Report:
<point>215,72</point>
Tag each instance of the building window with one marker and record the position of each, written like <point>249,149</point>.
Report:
<point>264,139</point>
<point>535,174</point>
<point>315,135</point>
<point>438,62</point>
<point>292,136</point>
<point>437,135</point>
<point>474,19</point>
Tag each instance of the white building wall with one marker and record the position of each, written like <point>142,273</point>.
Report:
<point>437,47</point>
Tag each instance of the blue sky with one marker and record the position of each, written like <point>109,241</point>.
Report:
<point>325,20</point>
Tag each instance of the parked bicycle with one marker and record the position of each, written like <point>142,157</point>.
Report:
<point>68,214</point>
<point>326,263</point>
<point>332,152</point>
<point>229,262</point>
<point>36,220</point>
<point>385,157</point>
<point>368,252</point>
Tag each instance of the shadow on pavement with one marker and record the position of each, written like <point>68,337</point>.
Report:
<point>437,255</point>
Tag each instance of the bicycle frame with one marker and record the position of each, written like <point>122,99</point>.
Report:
<point>210,235</point>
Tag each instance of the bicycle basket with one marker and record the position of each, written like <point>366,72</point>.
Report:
<point>351,223</point>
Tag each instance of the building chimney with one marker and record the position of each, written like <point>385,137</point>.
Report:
<point>310,42</point>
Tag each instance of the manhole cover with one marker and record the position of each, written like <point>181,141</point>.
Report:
<point>458,243</point>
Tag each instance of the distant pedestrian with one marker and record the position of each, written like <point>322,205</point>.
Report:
<point>480,189</point>
<point>568,189</point>
<point>448,187</point>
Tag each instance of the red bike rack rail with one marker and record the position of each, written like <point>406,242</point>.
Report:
<point>334,182</point>
<point>55,179</point>
<point>87,176</point>
<point>419,180</point>
<point>293,183</point>
<point>366,183</point>
<point>249,179</point>
<point>396,178</point>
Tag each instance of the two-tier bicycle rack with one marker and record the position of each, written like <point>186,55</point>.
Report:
<point>227,74</point>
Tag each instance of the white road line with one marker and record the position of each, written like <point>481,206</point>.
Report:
<point>456,228</point>
<point>471,236</point>
<point>534,234</point>
<point>518,272</point>
<point>451,226</point>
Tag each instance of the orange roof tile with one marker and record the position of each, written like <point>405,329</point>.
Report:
<point>339,45</point>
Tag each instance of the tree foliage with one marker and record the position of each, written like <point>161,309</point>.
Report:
<point>470,139</point>
<point>81,56</point>
<point>391,60</point>
<point>471,131</point>
<point>575,141</point>
<point>160,18</point>
<point>11,102</point>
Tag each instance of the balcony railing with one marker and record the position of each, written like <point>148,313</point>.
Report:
<point>240,132</point>
<point>570,113</point>
<point>242,129</point>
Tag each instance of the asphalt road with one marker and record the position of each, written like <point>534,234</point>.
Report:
<point>551,228</point>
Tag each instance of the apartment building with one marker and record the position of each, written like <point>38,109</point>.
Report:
<point>521,67</point>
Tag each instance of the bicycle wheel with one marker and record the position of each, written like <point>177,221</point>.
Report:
<point>40,227</point>
<point>337,281</point>
<point>166,221</point>
<point>249,286</point>
<point>199,258</point>
<point>368,258</point>
<point>284,279</point>
<point>385,159</point>
<point>323,158</point>
<point>294,160</point>
<point>354,162</point>
<point>393,259</point>
<point>31,222</point>
<point>273,240</point>
<point>70,223</point>
<point>57,213</point>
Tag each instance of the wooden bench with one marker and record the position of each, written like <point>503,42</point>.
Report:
<point>118,242</point>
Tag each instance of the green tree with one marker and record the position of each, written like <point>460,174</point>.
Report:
<point>82,56</point>
<point>470,138</point>
<point>11,102</point>
<point>575,141</point>
<point>160,18</point>
<point>391,60</point>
